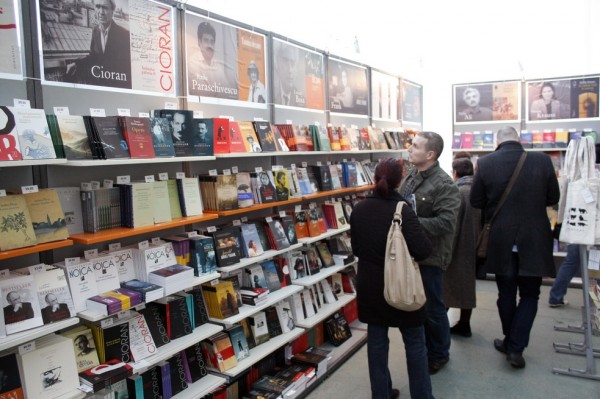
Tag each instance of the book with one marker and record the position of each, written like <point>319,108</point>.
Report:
<point>21,308</point>
<point>249,136</point>
<point>252,245</point>
<point>301,223</point>
<point>194,360</point>
<point>324,254</point>
<point>189,196</point>
<point>33,133</point>
<point>236,142</point>
<point>9,145</point>
<point>297,264</point>
<point>265,135</point>
<point>203,258</point>
<point>105,375</point>
<point>220,299</point>
<point>137,134</point>
<point>161,202</point>
<point>266,188</point>
<point>270,273</point>
<point>334,138</point>
<point>221,135</point>
<point>198,306</point>
<point>177,316</point>
<point>254,277</point>
<point>219,351</point>
<point>277,234</point>
<point>82,282</point>
<point>157,323</point>
<point>47,216</point>
<point>53,295</point>
<point>141,342</point>
<point>174,200</point>
<point>338,329</point>
<point>284,315</point>
<point>526,139</point>
<point>258,324</point>
<point>162,138</point>
<point>313,262</point>
<point>273,322</point>
<point>11,387</point>
<point>182,130</point>
<point>112,143</point>
<point>16,227</point>
<point>86,355</point>
<point>203,137</point>
<point>179,381</point>
<point>74,137</point>
<point>70,201</point>
<point>239,342</point>
<point>282,184</point>
<point>244,190</point>
<point>228,246</point>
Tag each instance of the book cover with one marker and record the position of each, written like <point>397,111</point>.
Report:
<point>244,190</point>
<point>252,244</point>
<point>137,134</point>
<point>562,138</point>
<point>324,254</point>
<point>249,137</point>
<point>313,262</point>
<point>76,144</point>
<point>466,140</point>
<point>290,230</point>
<point>477,140</point>
<point>198,307</point>
<point>10,387</point>
<point>526,139</point>
<point>219,351</point>
<point>181,129</point>
<point>220,299</point>
<point>105,375</point>
<point>265,135</point>
<point>203,257</point>
<point>70,201</point>
<point>260,330</point>
<point>33,132</point>
<point>116,342</point>
<point>47,216</point>
<point>262,234</point>
<point>9,145</point>
<point>538,139</point>
<point>297,265</point>
<point>54,296</point>
<point>279,140</point>
<point>228,246</point>
<point>266,190</point>
<point>16,227</point>
<point>338,330</point>
<point>345,139</point>
<point>301,224</point>
<point>549,139</point>
<point>271,275</point>
<point>82,282</point>
<point>273,322</point>
<point>221,135</point>
<point>194,359</point>
<point>282,184</point>
<point>226,192</point>
<point>279,234</point>
<point>86,355</point>
<point>334,138</point>
<point>162,137</point>
<point>106,272</point>
<point>254,277</point>
<point>239,342</point>
<point>156,321</point>
<point>178,377</point>
<point>174,200</point>
<point>161,202</point>
<point>21,308</point>
<point>112,142</point>
<point>203,138</point>
<point>284,315</point>
<point>313,223</point>
<point>189,196</point>
<point>141,342</point>
<point>236,142</point>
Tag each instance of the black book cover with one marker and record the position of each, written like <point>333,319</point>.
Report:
<point>152,383</point>
<point>203,141</point>
<point>322,176</point>
<point>156,320</point>
<point>111,137</point>
<point>178,378</point>
<point>116,342</point>
<point>265,135</point>
<point>178,318</point>
<point>262,235</point>
<point>338,330</point>
<point>162,137</point>
<point>266,189</point>
<point>93,138</point>
<point>10,385</point>
<point>106,378</point>
<point>200,313</point>
<point>290,229</point>
<point>273,324</point>
<point>195,361</point>
<point>182,129</point>
<point>279,234</point>
<point>228,245</point>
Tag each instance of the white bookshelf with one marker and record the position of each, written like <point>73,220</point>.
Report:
<point>32,162</point>
<point>330,233</point>
<point>133,161</point>
<point>256,259</point>
<point>325,311</point>
<point>248,310</point>
<point>338,353</point>
<point>261,351</point>
<point>323,273</point>
<point>175,346</point>
<point>74,394</point>
<point>29,335</point>
<point>202,387</point>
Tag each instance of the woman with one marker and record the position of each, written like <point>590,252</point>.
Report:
<point>547,106</point>
<point>370,222</point>
<point>266,190</point>
<point>459,279</point>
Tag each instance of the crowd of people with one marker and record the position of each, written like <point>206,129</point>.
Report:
<point>441,229</point>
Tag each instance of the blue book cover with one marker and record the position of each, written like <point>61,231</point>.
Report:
<point>239,342</point>
<point>202,137</point>
<point>271,275</point>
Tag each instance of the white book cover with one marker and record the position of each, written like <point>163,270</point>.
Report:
<point>82,282</point>
<point>328,293</point>
<point>310,309</point>
<point>154,258</point>
<point>54,296</point>
<point>107,273</point>
<point>284,313</point>
<point>141,343</point>
<point>296,307</point>
<point>51,370</point>
<point>124,260</point>
<point>34,134</point>
<point>70,200</point>
<point>162,205</point>
<point>191,196</point>
<point>361,179</point>
<point>9,143</point>
<point>259,328</point>
<point>336,285</point>
<point>20,304</point>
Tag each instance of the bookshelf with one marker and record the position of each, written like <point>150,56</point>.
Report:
<point>22,337</point>
<point>330,233</point>
<point>32,162</point>
<point>323,274</point>
<point>132,161</point>
<point>202,387</point>
<point>325,311</point>
<point>47,246</point>
<point>250,261</point>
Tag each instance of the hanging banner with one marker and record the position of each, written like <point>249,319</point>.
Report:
<point>298,76</point>
<point>563,99</point>
<point>412,102</point>
<point>348,90</point>
<point>108,44</point>
<point>495,102</point>
<point>10,48</point>
<point>224,61</point>
<point>384,96</point>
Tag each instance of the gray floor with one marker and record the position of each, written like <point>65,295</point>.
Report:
<point>476,369</point>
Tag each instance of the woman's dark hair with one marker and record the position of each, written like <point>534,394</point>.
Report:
<point>462,154</point>
<point>250,243</point>
<point>462,167</point>
<point>388,175</point>
<point>551,86</point>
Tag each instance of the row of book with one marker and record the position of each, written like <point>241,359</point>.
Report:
<point>529,139</point>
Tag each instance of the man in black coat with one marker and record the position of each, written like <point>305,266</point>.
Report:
<point>520,245</point>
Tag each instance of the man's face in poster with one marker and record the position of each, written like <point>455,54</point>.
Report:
<point>104,12</point>
<point>471,97</point>
<point>202,130</point>
<point>207,46</point>
<point>287,59</point>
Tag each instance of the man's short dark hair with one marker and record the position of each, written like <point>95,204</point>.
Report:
<point>435,142</point>
<point>462,167</point>
<point>113,4</point>
<point>206,28</point>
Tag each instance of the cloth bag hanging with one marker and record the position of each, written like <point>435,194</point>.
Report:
<point>403,287</point>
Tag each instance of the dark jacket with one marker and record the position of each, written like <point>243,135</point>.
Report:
<point>370,222</point>
<point>438,202</point>
<point>523,219</point>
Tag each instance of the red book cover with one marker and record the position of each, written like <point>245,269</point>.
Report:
<point>466,140</point>
<point>344,139</point>
<point>138,136</point>
<point>221,135</point>
<point>298,141</point>
<point>236,142</point>
<point>549,139</point>
<point>287,133</point>
<point>300,344</point>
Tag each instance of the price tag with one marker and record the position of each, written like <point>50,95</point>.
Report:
<point>180,175</point>
<point>198,114</point>
<point>85,388</point>
<point>107,322</point>
<point>298,208</point>
<point>312,205</point>
<point>319,163</point>
<point>191,234</point>
<point>143,245</point>
<point>28,347</point>
<point>258,119</point>
<point>572,130</point>
<point>170,105</point>
<point>587,196</point>
<point>317,123</point>
<point>234,170</point>
<point>328,163</point>
<point>269,219</point>
<point>588,129</point>
<point>72,261</point>
<point>115,246</point>
<point>61,110</point>
<point>304,164</point>
<point>258,169</point>
<point>353,196</point>
<point>144,115</point>
<point>227,172</point>
<point>293,166</point>
<point>97,112</point>
<point>123,112</point>
<point>95,184</point>
<point>288,121</point>
<point>211,229</point>
<point>329,125</point>
<point>214,282</point>
<point>353,159</point>
<point>194,99</point>
<point>347,197</point>
<point>20,103</point>
<point>163,176</point>
<point>2,193</point>
<point>244,219</point>
<point>140,307</point>
<point>124,314</point>
<point>547,130</point>
<point>212,172</point>
<point>282,214</point>
<point>277,167</point>
<point>36,269</point>
<point>236,222</point>
<point>29,189</point>
<point>339,200</point>
<point>155,240</point>
<point>90,253</point>
<point>4,273</point>
<point>226,117</point>
<point>126,179</point>
<point>149,179</point>
<point>107,183</point>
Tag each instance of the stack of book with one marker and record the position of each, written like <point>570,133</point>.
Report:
<point>105,375</point>
<point>149,292</point>
<point>254,296</point>
<point>172,278</point>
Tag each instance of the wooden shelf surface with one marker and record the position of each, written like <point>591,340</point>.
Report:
<point>122,232</point>
<point>47,246</point>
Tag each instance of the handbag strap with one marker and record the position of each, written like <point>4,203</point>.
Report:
<point>508,188</point>
<point>398,213</point>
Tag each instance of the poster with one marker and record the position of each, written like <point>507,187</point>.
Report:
<point>298,76</point>
<point>493,102</point>
<point>130,46</point>
<point>412,102</point>
<point>384,96</point>
<point>10,62</point>
<point>562,99</point>
<point>224,61</point>
<point>348,90</point>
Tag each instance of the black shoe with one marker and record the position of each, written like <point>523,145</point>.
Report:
<point>436,365</point>
<point>462,329</point>
<point>395,393</point>
<point>499,345</point>
<point>516,360</point>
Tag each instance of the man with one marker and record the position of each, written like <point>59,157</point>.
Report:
<point>54,311</point>
<point>285,92</point>
<point>437,202</point>
<point>257,93</point>
<point>203,136</point>
<point>83,345</point>
<point>473,111</point>
<point>178,125</point>
<point>16,310</point>
<point>109,60</point>
<point>520,244</point>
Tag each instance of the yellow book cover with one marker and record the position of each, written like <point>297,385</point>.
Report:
<point>16,228</point>
<point>174,198</point>
<point>47,216</point>
<point>125,300</point>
